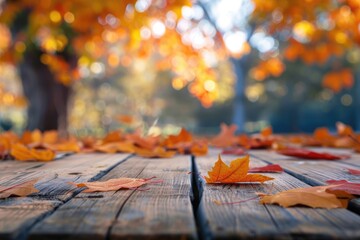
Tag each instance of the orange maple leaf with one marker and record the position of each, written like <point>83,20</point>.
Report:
<point>22,153</point>
<point>315,197</point>
<point>226,137</point>
<point>183,136</point>
<point>236,172</point>
<point>112,184</point>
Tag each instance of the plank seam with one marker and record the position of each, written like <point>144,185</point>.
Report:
<point>197,189</point>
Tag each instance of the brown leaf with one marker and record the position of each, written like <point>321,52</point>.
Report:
<point>315,197</point>
<point>20,190</point>
<point>157,152</point>
<point>22,153</point>
<point>112,184</point>
<point>226,137</point>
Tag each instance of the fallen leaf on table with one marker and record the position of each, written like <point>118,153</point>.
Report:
<point>274,168</point>
<point>157,152</point>
<point>183,137</point>
<point>236,172</point>
<point>226,137</point>
<point>353,171</point>
<point>67,146</point>
<point>114,136</point>
<point>20,190</point>
<point>22,153</point>
<point>307,154</point>
<point>113,147</point>
<point>266,132</point>
<point>199,149</point>
<point>343,185</point>
<point>233,151</point>
<point>343,129</point>
<point>324,137</point>
<point>112,184</point>
<point>315,197</point>
<point>148,142</point>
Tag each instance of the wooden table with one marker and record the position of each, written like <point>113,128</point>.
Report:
<point>181,206</point>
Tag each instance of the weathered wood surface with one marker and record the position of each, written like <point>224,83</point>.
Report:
<point>163,211</point>
<point>250,219</point>
<point>317,172</point>
<point>17,215</point>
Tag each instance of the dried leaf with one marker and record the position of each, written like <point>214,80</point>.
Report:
<point>114,136</point>
<point>183,137</point>
<point>274,168</point>
<point>157,152</point>
<point>236,172</point>
<point>226,137</point>
<point>22,153</point>
<point>112,184</point>
<point>233,151</point>
<point>343,185</point>
<point>20,190</point>
<point>307,154</point>
<point>353,171</point>
<point>315,197</point>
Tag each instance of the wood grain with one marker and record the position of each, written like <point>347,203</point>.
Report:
<point>17,215</point>
<point>162,211</point>
<point>250,219</point>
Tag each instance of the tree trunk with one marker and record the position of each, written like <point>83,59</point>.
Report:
<point>239,108</point>
<point>47,98</point>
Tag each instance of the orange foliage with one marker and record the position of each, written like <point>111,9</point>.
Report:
<point>337,80</point>
<point>236,172</point>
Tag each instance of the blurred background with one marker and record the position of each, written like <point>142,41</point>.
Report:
<point>88,67</point>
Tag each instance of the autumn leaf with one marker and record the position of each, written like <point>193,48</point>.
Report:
<point>142,142</point>
<point>183,137</point>
<point>226,137</point>
<point>22,153</point>
<point>236,172</point>
<point>112,184</point>
<point>113,147</point>
<point>315,197</point>
<point>307,154</point>
<point>353,171</point>
<point>233,151</point>
<point>65,146</point>
<point>198,149</point>
<point>266,132</point>
<point>343,185</point>
<point>157,152</point>
<point>114,136</point>
<point>274,168</point>
<point>343,129</point>
<point>20,190</point>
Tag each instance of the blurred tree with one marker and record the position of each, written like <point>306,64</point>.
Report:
<point>57,42</point>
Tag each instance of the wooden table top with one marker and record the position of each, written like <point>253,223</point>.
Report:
<point>181,206</point>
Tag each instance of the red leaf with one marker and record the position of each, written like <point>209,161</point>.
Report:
<point>343,185</point>
<point>307,154</point>
<point>233,151</point>
<point>353,171</point>
<point>275,168</point>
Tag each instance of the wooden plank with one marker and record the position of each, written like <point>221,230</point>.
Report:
<point>317,172</point>
<point>163,211</point>
<point>250,219</point>
<point>17,215</point>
